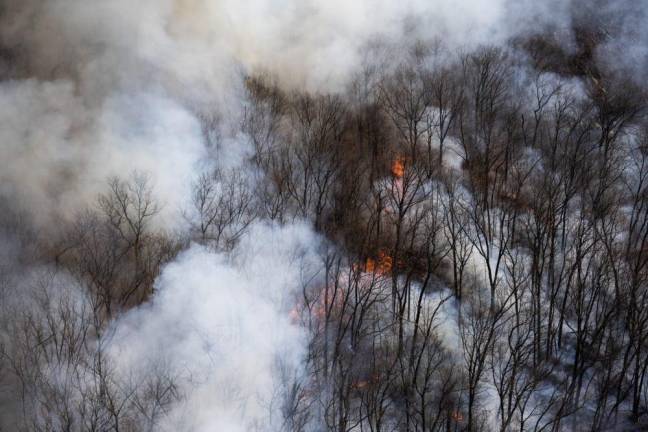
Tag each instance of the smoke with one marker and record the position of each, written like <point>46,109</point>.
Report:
<point>625,46</point>
<point>221,324</point>
<point>92,89</point>
<point>195,42</point>
<point>95,86</point>
<point>99,88</point>
<point>61,152</point>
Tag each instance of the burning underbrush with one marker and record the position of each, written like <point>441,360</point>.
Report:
<point>320,216</point>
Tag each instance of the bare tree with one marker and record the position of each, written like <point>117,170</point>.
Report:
<point>223,208</point>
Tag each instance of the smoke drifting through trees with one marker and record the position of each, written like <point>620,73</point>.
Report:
<point>310,216</point>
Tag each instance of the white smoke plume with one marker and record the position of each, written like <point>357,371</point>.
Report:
<point>65,151</point>
<point>99,88</point>
<point>96,88</point>
<point>222,325</point>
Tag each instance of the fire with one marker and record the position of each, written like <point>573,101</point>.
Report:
<point>363,383</point>
<point>456,416</point>
<point>370,265</point>
<point>337,298</point>
<point>398,167</point>
<point>360,384</point>
<point>294,315</point>
<point>382,264</point>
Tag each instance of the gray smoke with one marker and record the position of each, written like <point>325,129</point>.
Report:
<point>222,326</point>
<point>98,88</point>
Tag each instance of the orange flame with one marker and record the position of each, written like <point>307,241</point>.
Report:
<point>370,381</point>
<point>398,167</point>
<point>360,384</point>
<point>336,301</point>
<point>294,315</point>
<point>382,264</point>
<point>370,265</point>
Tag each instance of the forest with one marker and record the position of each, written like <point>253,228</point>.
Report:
<point>454,238</point>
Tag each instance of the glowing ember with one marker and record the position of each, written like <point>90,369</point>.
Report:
<point>372,380</point>
<point>398,167</point>
<point>360,384</point>
<point>370,265</point>
<point>457,416</point>
<point>294,315</point>
<point>382,264</point>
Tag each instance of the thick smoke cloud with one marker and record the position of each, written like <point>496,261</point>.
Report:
<point>61,152</point>
<point>222,325</point>
<point>92,89</point>
<point>106,88</point>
